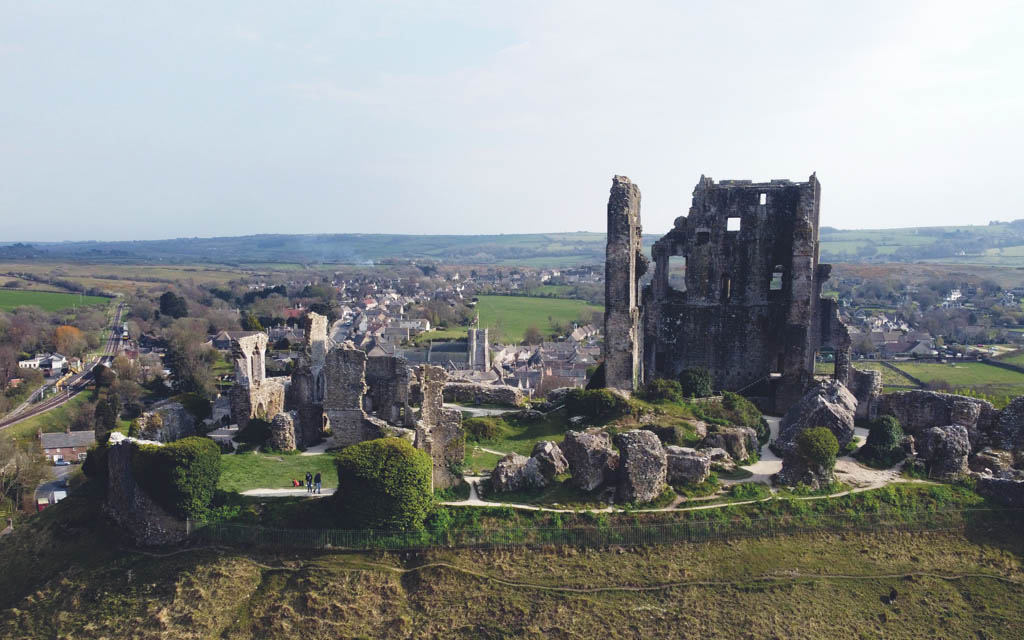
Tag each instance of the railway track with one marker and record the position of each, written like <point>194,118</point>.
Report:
<point>77,383</point>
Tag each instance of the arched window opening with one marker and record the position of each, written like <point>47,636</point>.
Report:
<point>776,281</point>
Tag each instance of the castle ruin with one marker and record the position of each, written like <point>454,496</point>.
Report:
<point>736,289</point>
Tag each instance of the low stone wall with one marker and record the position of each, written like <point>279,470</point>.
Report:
<point>474,393</point>
<point>920,410</point>
<point>1009,493</point>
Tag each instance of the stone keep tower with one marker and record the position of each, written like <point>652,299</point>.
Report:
<point>737,290</point>
<point>624,265</point>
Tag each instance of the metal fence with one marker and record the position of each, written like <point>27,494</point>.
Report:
<point>600,534</point>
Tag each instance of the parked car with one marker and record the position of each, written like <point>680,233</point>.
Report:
<point>62,463</point>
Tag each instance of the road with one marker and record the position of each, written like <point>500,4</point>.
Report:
<point>78,382</point>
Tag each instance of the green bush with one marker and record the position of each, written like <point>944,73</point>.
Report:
<point>384,484</point>
<point>695,382</point>
<point>482,429</point>
<point>181,476</point>
<point>662,390</point>
<point>596,403</point>
<point>818,447</point>
<point>884,447</point>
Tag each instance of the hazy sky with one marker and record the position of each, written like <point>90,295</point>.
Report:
<point>137,120</point>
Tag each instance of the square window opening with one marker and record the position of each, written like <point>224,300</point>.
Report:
<point>776,281</point>
<point>734,224</point>
<point>677,273</point>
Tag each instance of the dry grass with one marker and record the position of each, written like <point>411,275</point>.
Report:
<point>65,579</point>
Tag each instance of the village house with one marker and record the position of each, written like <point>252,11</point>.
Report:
<point>71,446</point>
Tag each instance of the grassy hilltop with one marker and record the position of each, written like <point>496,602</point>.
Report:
<point>66,577</point>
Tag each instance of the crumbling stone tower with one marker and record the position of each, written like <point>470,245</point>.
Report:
<point>625,263</point>
<point>253,395</point>
<point>736,289</point>
<point>308,383</point>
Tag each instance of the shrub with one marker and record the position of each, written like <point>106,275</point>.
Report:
<point>818,447</point>
<point>595,403</point>
<point>180,476</point>
<point>884,447</point>
<point>481,429</point>
<point>695,383</point>
<point>384,484</point>
<point>662,390</point>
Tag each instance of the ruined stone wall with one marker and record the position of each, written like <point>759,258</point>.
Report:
<point>920,410</point>
<point>308,383</point>
<point>866,386</point>
<point>263,401</point>
<point>345,371</point>
<point>166,423</point>
<point>387,380</point>
<point>138,515</point>
<point>476,393</point>
<point>439,430</point>
<point>250,356</point>
<point>749,303</point>
<point>624,264</point>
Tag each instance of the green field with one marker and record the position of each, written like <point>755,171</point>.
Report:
<point>973,376</point>
<point>46,300</point>
<point>243,471</point>
<point>508,317</point>
<point>1016,358</point>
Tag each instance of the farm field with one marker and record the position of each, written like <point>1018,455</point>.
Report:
<point>970,376</point>
<point>47,300</point>
<point>508,317</point>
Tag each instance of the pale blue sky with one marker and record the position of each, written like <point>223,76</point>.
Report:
<point>137,120</point>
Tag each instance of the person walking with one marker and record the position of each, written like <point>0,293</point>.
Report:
<point>316,482</point>
<point>309,482</point>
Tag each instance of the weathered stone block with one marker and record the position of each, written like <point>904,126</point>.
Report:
<point>550,458</point>
<point>686,465</point>
<point>592,460</point>
<point>944,450</point>
<point>476,393</point>
<point>516,473</point>
<point>643,466</point>
<point>166,423</point>
<point>282,432</point>
<point>829,404</point>
<point>739,442</point>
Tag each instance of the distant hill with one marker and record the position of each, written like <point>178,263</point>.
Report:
<point>995,244</point>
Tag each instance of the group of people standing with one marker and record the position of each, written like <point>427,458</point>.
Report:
<point>312,482</point>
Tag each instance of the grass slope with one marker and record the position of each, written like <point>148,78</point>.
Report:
<point>244,471</point>
<point>65,577</point>
<point>46,300</point>
<point>508,317</point>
